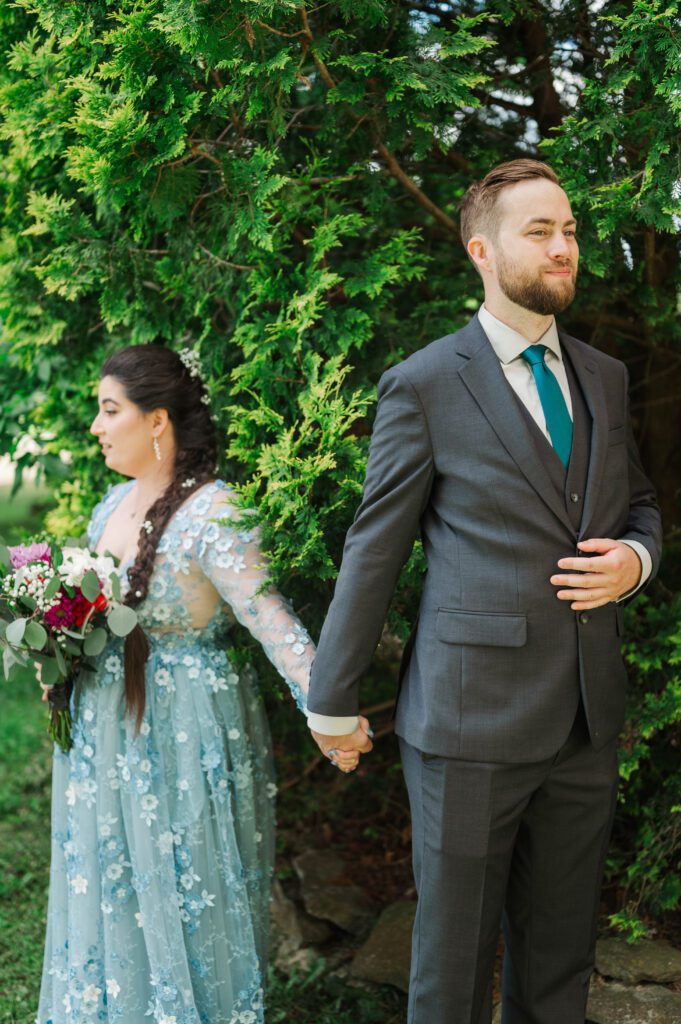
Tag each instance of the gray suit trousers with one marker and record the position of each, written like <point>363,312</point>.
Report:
<point>521,845</point>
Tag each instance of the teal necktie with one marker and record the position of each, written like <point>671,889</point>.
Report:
<point>558,422</point>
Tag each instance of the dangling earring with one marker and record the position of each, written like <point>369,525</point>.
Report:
<point>157,449</point>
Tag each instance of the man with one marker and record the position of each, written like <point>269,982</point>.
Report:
<point>508,445</point>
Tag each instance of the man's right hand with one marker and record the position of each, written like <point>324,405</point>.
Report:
<point>344,751</point>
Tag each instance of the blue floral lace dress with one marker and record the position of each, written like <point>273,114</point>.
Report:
<point>163,841</point>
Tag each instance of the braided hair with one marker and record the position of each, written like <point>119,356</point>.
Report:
<point>154,377</point>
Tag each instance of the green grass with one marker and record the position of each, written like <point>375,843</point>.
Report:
<point>25,765</point>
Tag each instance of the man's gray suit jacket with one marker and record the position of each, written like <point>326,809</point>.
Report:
<point>497,662</point>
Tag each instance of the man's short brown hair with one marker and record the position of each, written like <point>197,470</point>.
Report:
<point>479,210</point>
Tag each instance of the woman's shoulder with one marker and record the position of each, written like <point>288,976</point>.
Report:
<point>214,498</point>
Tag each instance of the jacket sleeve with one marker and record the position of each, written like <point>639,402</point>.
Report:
<point>397,488</point>
<point>644,522</point>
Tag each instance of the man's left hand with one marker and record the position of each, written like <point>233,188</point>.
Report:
<point>614,569</point>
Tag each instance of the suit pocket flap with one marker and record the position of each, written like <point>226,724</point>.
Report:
<point>487,629</point>
<point>617,435</point>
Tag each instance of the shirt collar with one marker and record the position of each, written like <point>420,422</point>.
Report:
<point>508,344</point>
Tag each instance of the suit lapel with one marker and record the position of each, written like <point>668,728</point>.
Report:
<point>588,374</point>
<point>484,378</point>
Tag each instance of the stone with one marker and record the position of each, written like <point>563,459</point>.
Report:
<point>293,934</point>
<point>614,1003</point>
<point>292,925</point>
<point>385,957</point>
<point>327,896</point>
<point>647,960</point>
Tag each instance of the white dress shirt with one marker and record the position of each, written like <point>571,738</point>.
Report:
<point>508,346</point>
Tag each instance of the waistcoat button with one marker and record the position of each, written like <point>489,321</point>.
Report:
<point>574,496</point>
<point>584,617</point>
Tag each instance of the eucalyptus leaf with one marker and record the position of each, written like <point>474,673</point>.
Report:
<point>90,585</point>
<point>60,658</point>
<point>52,588</point>
<point>8,660</point>
<point>4,555</point>
<point>29,602</point>
<point>116,586</point>
<point>35,636</point>
<point>121,620</point>
<point>72,648</point>
<point>14,633</point>
<point>50,673</point>
<point>95,642</point>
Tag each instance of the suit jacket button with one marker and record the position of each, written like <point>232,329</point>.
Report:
<point>574,496</point>
<point>584,617</point>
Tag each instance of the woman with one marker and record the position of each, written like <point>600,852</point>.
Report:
<point>162,814</point>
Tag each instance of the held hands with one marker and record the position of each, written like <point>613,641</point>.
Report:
<point>614,569</point>
<point>344,751</point>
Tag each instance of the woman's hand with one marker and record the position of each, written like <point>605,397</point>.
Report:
<point>346,756</point>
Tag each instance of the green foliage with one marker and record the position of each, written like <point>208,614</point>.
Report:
<point>645,856</point>
<point>275,184</point>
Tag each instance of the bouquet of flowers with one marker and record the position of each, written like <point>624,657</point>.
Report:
<point>58,608</point>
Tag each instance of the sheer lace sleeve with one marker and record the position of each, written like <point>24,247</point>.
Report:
<point>229,554</point>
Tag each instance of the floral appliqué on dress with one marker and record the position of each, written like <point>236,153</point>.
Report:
<point>163,840</point>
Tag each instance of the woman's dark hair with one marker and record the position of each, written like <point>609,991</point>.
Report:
<point>154,377</point>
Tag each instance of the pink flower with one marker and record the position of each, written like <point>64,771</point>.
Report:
<point>22,554</point>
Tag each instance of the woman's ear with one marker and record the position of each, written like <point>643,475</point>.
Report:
<point>159,421</point>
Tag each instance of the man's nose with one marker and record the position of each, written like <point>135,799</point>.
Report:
<point>560,247</point>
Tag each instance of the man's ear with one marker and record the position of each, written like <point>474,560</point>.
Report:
<point>480,251</point>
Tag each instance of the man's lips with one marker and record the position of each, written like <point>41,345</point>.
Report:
<point>563,272</point>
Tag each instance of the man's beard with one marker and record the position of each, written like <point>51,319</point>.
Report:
<point>532,291</point>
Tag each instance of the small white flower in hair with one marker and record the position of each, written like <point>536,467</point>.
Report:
<point>192,361</point>
<point>189,482</point>
<point>148,526</point>
<point>205,399</point>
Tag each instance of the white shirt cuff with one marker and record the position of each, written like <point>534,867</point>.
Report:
<point>646,567</point>
<point>332,725</point>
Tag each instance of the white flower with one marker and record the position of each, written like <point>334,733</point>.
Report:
<point>113,664</point>
<point>182,785</point>
<point>181,737</point>
<point>106,907</point>
<point>168,1019</point>
<point>140,920</point>
<point>207,898</point>
<point>148,526</point>
<point>188,878</point>
<point>79,885</point>
<point>162,677</point>
<point>189,482</point>
<point>233,734</point>
<point>247,1017</point>
<point>87,750</point>
<point>149,802</point>
<point>145,765</point>
<point>145,728</point>
<point>271,790</point>
<point>71,795</point>
<point>112,987</point>
<point>187,660</point>
<point>67,1003</point>
<point>114,872</point>
<point>91,994</point>
<point>88,714</point>
<point>257,836</point>
<point>193,672</point>
<point>165,842</point>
